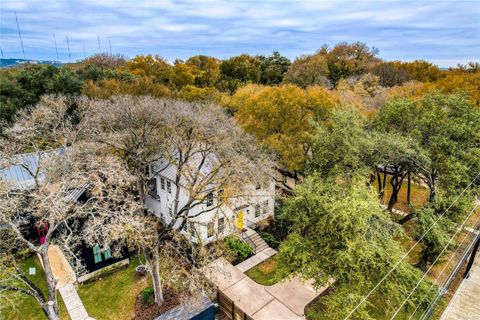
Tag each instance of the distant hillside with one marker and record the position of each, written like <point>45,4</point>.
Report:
<point>12,62</point>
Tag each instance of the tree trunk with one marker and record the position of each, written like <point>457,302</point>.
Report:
<point>409,188</point>
<point>52,304</point>
<point>433,191</point>
<point>407,218</point>
<point>394,195</point>
<point>153,258</point>
<point>422,264</point>
<point>384,183</point>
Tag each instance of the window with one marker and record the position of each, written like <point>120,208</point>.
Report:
<point>210,229</point>
<point>257,210</point>
<point>107,254</point>
<point>169,187</point>
<point>192,229</point>
<point>210,199</point>
<point>221,225</point>
<point>97,254</point>
<point>152,188</point>
<point>162,183</point>
<point>265,207</point>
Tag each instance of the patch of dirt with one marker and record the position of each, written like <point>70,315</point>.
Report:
<point>267,266</point>
<point>150,312</point>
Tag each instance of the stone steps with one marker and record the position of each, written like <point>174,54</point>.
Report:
<point>260,244</point>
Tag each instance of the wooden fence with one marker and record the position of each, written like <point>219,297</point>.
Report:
<point>228,307</point>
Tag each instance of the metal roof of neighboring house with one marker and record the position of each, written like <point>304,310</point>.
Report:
<point>19,173</point>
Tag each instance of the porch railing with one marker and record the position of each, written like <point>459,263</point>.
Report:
<point>249,241</point>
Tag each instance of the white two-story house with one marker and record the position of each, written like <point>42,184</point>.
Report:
<point>211,218</point>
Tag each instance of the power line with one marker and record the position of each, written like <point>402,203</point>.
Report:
<point>440,274</point>
<point>435,261</point>
<point>56,47</point>
<point>409,251</point>
<point>19,33</point>
<point>68,46</point>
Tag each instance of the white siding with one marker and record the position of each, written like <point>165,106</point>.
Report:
<point>160,208</point>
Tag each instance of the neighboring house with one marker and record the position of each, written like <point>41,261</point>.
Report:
<point>20,176</point>
<point>214,224</point>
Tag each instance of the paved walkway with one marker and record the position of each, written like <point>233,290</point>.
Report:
<point>465,303</point>
<point>396,211</point>
<point>256,259</point>
<point>66,278</point>
<point>283,301</point>
<point>263,251</point>
<point>72,301</point>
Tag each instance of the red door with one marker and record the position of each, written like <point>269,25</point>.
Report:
<point>42,233</point>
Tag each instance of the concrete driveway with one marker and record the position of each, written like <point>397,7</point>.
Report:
<point>283,301</point>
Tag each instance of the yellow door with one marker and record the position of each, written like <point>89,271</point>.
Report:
<point>240,220</point>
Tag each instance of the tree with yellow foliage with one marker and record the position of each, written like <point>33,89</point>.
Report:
<point>468,82</point>
<point>149,65</point>
<point>283,118</point>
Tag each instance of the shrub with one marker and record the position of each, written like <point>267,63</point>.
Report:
<point>241,249</point>
<point>147,295</point>
<point>269,239</point>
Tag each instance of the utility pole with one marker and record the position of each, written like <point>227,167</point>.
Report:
<point>110,46</point>
<point>472,256</point>
<point>19,34</point>
<point>68,46</point>
<point>84,52</point>
<point>1,51</point>
<point>98,38</point>
<point>56,47</point>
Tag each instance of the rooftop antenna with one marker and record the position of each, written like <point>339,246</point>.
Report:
<point>68,46</point>
<point>110,46</point>
<point>19,34</point>
<point>56,48</point>
<point>98,38</point>
<point>84,52</point>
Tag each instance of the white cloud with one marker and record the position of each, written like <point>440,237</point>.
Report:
<point>445,31</point>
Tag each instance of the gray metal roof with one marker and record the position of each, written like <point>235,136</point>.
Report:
<point>168,170</point>
<point>19,173</point>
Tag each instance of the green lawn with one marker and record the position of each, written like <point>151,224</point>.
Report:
<point>113,296</point>
<point>109,297</point>
<point>265,273</point>
<point>26,307</point>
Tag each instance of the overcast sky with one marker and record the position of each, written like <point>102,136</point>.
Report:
<point>444,32</point>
